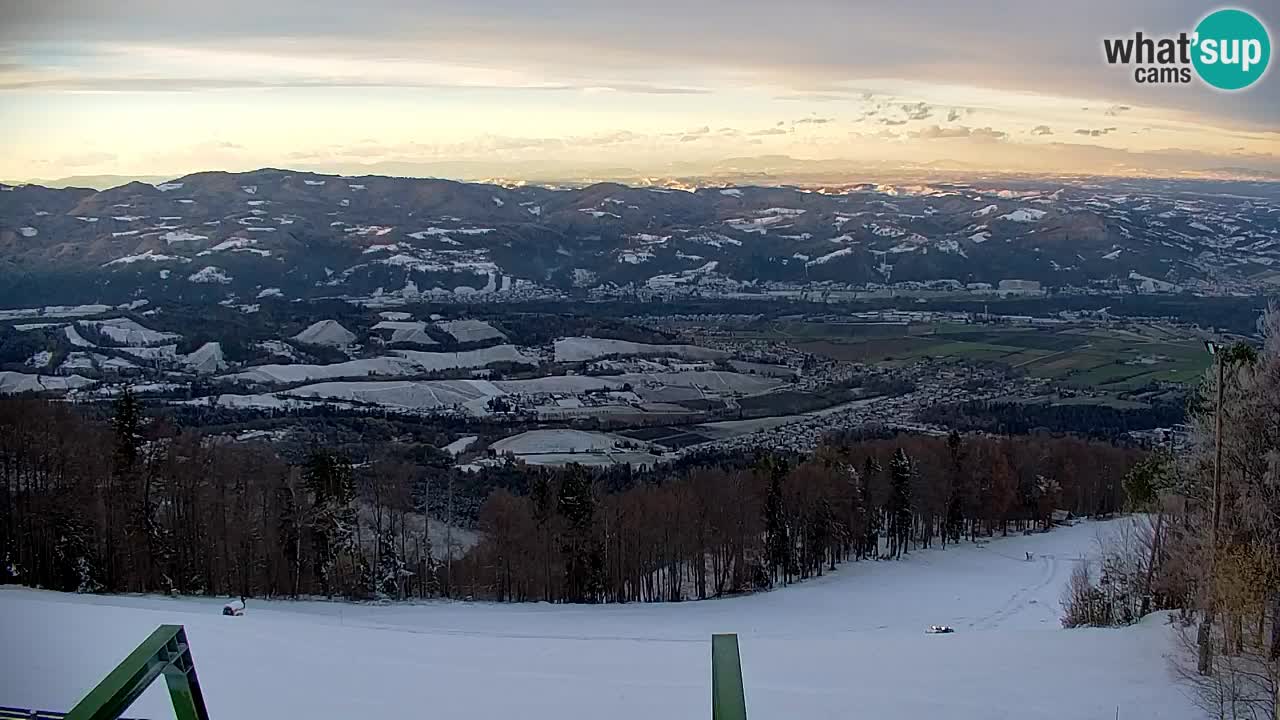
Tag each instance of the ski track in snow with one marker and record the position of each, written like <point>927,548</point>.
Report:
<point>848,644</point>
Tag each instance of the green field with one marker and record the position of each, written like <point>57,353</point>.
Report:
<point>1113,359</point>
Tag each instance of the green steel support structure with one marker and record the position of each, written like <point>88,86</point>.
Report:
<point>728,700</point>
<point>166,653</point>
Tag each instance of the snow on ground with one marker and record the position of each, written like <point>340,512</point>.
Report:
<point>128,332</point>
<point>206,359</point>
<point>823,260</point>
<point>461,445</point>
<point>326,332</point>
<point>210,274</point>
<point>406,362</point>
<point>175,236</point>
<point>848,645</point>
<point>273,374</point>
<point>1025,215</point>
<point>555,441</point>
<point>582,349</point>
<point>731,192</point>
<point>406,331</point>
<point>16,382</point>
<point>428,361</point>
<point>466,331</point>
<point>164,352</point>
<point>148,256</point>
<point>407,395</point>
<point>75,338</point>
<point>28,232</point>
<point>715,381</point>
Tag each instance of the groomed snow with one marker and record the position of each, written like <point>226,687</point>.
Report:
<point>848,645</point>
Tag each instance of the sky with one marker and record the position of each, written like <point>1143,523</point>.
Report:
<point>521,89</point>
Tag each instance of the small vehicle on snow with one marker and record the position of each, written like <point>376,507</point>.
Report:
<point>939,629</point>
<point>235,608</point>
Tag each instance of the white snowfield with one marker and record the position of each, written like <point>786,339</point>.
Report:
<point>582,349</point>
<point>465,331</point>
<point>129,332</point>
<point>849,645</point>
<point>326,332</point>
<point>1024,215</point>
<point>403,363</point>
<point>406,331</point>
<point>206,359</point>
<point>555,441</point>
<point>16,382</point>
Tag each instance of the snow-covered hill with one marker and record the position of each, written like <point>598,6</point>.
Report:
<point>850,645</point>
<point>306,235</point>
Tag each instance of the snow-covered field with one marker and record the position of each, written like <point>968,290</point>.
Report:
<point>581,349</point>
<point>405,362</point>
<point>849,645</point>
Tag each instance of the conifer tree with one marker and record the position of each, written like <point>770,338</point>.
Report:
<point>777,540</point>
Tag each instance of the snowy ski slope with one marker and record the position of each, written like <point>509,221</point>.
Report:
<point>849,645</point>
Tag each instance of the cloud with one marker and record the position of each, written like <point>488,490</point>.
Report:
<point>1042,130</point>
<point>1095,132</point>
<point>934,132</point>
<point>888,121</point>
<point>953,115</point>
<point>917,111</point>
<point>1115,110</point>
<point>770,131</point>
<point>986,133</point>
<point>813,121</point>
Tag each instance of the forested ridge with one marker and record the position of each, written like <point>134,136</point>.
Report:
<point>137,504</point>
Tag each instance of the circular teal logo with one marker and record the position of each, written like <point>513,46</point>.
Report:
<point>1232,49</point>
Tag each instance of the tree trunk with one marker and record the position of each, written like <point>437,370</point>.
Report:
<point>1151,565</point>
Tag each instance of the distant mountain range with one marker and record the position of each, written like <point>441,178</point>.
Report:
<point>298,234</point>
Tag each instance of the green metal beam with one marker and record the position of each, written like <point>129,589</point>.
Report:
<point>728,699</point>
<point>166,652</point>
